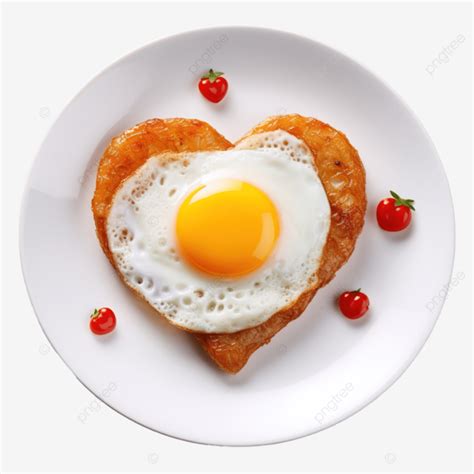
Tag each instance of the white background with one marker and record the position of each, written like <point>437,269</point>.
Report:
<point>422,423</point>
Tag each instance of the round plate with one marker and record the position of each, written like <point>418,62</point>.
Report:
<point>321,368</point>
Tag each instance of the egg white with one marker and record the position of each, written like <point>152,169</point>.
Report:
<point>141,233</point>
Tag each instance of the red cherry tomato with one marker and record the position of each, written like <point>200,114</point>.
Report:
<point>213,86</point>
<point>353,304</point>
<point>102,321</point>
<point>394,214</point>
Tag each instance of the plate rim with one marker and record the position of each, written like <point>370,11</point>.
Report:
<point>291,35</point>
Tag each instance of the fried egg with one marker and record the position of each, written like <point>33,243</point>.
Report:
<point>220,241</point>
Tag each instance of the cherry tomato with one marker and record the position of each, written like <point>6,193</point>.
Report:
<point>213,86</point>
<point>102,321</point>
<point>394,214</point>
<point>353,304</point>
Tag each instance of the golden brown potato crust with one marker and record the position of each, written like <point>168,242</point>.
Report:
<point>340,170</point>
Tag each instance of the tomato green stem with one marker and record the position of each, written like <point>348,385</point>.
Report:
<point>212,75</point>
<point>402,202</point>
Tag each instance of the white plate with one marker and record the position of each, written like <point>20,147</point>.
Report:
<point>322,368</point>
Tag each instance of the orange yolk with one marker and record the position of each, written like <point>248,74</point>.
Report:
<point>227,228</point>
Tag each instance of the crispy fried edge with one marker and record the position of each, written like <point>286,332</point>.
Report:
<point>129,150</point>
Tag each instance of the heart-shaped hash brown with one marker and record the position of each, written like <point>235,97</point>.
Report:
<point>341,173</point>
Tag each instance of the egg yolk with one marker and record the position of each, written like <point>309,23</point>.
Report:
<point>227,228</point>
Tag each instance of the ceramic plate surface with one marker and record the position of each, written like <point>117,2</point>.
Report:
<point>320,369</point>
